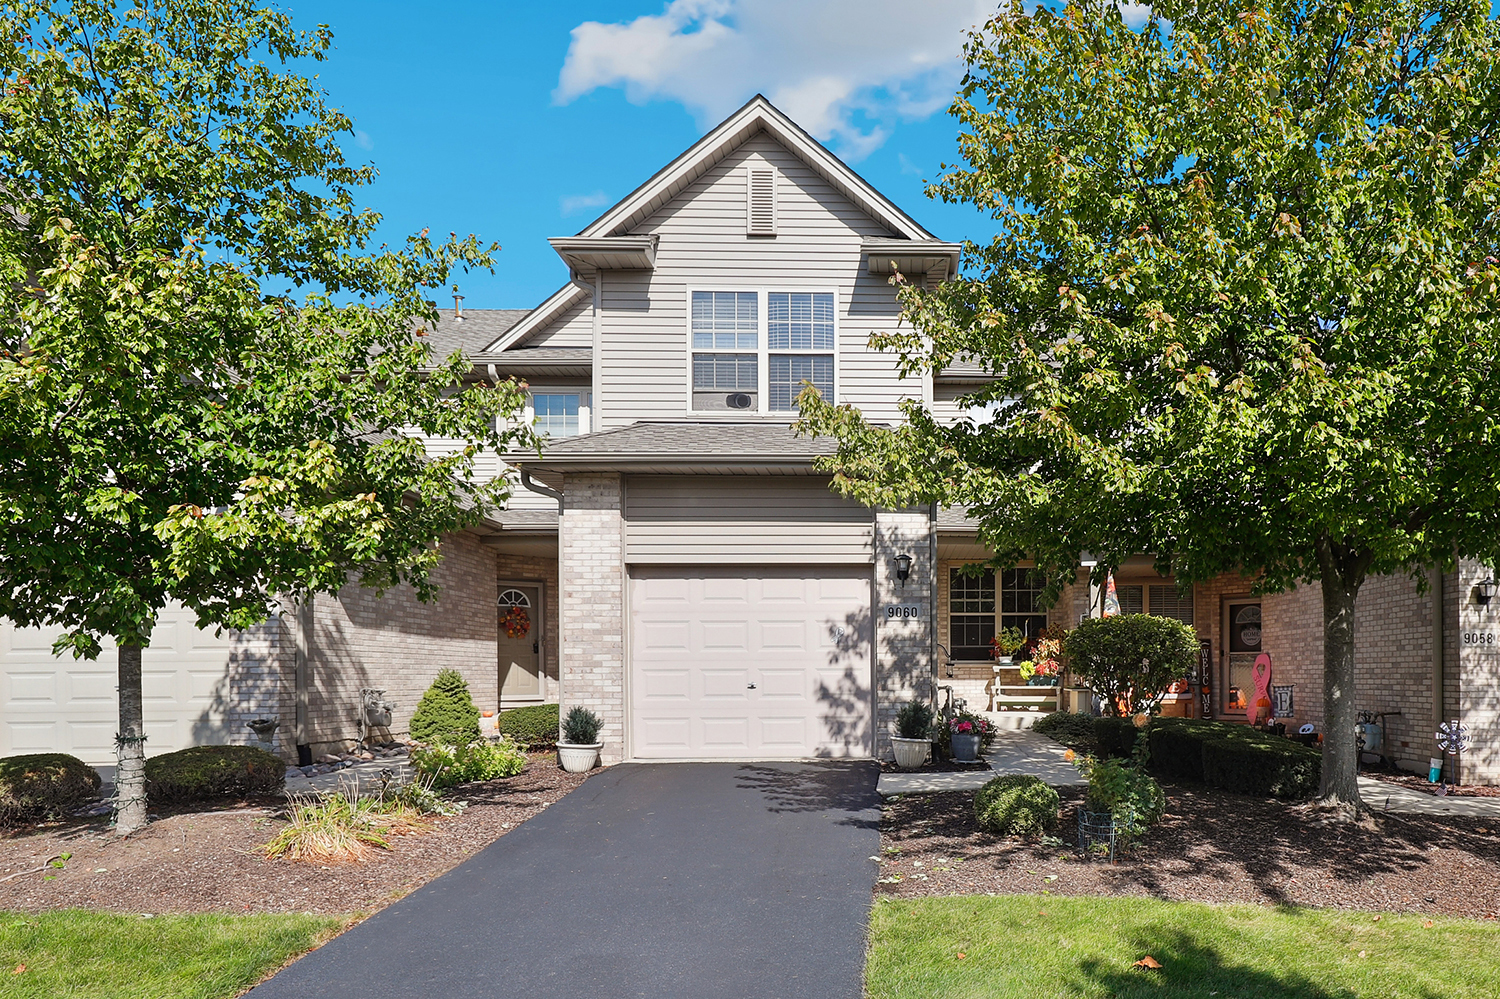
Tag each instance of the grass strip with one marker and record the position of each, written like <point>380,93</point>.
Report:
<point>1037,946</point>
<point>74,953</point>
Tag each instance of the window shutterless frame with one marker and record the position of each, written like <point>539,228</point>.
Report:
<point>763,351</point>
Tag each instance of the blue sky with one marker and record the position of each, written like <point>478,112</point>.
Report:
<point>466,110</point>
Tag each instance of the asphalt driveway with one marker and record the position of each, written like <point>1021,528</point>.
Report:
<point>664,880</point>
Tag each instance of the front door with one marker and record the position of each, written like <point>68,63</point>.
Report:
<point>520,643</point>
<point>1243,642</point>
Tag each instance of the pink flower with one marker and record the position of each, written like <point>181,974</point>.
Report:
<point>964,727</point>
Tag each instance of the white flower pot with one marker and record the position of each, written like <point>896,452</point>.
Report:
<point>577,759</point>
<point>910,753</point>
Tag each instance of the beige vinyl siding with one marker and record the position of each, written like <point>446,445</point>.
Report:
<point>643,331</point>
<point>781,520</point>
<point>573,328</point>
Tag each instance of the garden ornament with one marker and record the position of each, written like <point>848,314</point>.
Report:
<point>1261,674</point>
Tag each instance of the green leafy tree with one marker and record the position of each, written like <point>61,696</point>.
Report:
<point>1239,307</point>
<point>208,377</point>
<point>446,713</point>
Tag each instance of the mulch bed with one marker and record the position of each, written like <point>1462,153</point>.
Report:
<point>1212,846</point>
<point>206,861</point>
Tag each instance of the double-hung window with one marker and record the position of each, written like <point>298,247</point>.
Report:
<point>799,336</point>
<point>559,412</point>
<point>741,339</point>
<point>726,350</point>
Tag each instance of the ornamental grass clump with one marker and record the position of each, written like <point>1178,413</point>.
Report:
<point>446,715</point>
<point>1016,805</point>
<point>331,829</point>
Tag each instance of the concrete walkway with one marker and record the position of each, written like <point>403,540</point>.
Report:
<point>1383,796</point>
<point>1013,752</point>
<point>667,881</point>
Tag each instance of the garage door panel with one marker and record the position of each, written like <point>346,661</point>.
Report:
<point>91,687</point>
<point>796,633</point>
<point>33,688</point>
<point>91,740</point>
<point>31,737</point>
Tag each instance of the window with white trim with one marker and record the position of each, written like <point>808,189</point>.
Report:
<point>737,345</point>
<point>1161,599</point>
<point>558,412</point>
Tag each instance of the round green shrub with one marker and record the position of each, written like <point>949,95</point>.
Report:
<point>1016,805</point>
<point>534,726</point>
<point>446,715</point>
<point>205,773</point>
<point>44,784</point>
<point>1131,658</point>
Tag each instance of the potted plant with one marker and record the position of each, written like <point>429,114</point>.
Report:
<point>966,732</point>
<point>578,750</point>
<point>1004,646</point>
<point>1044,669</point>
<point>912,742</point>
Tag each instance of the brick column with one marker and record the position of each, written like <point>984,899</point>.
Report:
<point>903,646</point>
<point>1478,677</point>
<point>591,571</point>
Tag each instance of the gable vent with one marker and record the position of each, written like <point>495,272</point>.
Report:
<point>761,202</point>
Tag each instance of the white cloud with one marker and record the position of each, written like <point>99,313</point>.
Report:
<point>572,204</point>
<point>845,70</point>
<point>362,139</point>
<point>1135,15</point>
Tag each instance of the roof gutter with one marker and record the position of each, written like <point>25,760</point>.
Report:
<point>537,487</point>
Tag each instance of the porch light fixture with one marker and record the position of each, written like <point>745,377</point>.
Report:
<point>1484,591</point>
<point>903,568</point>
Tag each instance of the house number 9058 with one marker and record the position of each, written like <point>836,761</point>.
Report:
<point>895,612</point>
<point>1488,639</point>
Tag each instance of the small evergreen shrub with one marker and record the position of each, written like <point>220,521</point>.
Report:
<point>914,719</point>
<point>443,766</point>
<point>581,727</point>
<point>1072,730</point>
<point>1275,766</point>
<point>1131,659</point>
<point>44,784</point>
<point>1115,736</point>
<point>534,726</point>
<point>446,714</point>
<point>1016,805</point>
<point>205,773</point>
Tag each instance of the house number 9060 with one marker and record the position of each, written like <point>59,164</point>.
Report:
<point>895,612</point>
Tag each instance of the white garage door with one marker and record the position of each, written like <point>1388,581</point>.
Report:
<point>69,705</point>
<point>750,662</point>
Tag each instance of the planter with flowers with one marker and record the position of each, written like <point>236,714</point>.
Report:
<point>966,733</point>
<point>1004,646</point>
<point>1044,669</point>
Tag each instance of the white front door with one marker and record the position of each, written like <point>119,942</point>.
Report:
<point>750,662</point>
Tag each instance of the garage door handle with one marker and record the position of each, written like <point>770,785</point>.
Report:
<point>750,686</point>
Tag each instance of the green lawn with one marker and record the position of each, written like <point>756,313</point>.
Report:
<point>75,954</point>
<point>1040,947</point>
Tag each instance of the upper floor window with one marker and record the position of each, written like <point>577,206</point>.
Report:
<point>733,354</point>
<point>559,413</point>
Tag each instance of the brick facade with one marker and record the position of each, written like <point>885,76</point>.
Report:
<point>903,647</point>
<point>397,643</point>
<point>591,575</point>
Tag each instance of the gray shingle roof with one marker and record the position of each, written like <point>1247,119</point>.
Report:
<point>685,440</point>
<point>477,330</point>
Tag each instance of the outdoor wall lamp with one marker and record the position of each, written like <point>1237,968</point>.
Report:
<point>1484,591</point>
<point>948,661</point>
<point>903,568</point>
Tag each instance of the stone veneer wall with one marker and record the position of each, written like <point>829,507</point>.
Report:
<point>591,578</point>
<point>540,572</point>
<point>399,644</point>
<point>1475,697</point>
<point>903,647</point>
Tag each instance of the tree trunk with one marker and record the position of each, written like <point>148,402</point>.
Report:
<point>1340,713</point>
<point>130,747</point>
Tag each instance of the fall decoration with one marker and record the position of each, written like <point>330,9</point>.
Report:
<point>516,622</point>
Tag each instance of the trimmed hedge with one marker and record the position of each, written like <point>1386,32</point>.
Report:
<point>1069,728</point>
<point>534,726</point>
<point>44,784</point>
<point>1234,757</point>
<point>1016,805</point>
<point>205,773</point>
<point>1115,736</point>
<point>1284,771</point>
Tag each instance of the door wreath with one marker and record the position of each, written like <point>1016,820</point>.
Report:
<point>516,622</point>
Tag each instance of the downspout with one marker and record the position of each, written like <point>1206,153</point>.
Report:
<point>302,677</point>
<point>537,487</point>
<point>932,618</point>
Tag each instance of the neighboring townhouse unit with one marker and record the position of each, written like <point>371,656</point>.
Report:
<point>673,561</point>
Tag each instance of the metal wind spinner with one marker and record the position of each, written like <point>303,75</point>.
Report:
<point>1452,737</point>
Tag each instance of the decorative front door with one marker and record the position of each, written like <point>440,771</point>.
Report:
<point>1243,640</point>
<point>520,642</point>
